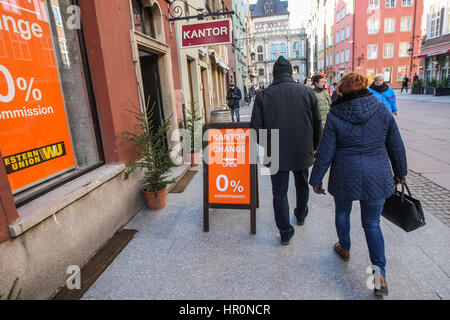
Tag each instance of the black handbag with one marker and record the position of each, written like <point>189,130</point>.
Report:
<point>403,210</point>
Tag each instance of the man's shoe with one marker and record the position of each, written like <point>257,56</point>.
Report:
<point>286,242</point>
<point>301,221</point>
<point>345,255</point>
<point>383,290</point>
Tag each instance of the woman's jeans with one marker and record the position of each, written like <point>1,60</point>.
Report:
<point>370,218</point>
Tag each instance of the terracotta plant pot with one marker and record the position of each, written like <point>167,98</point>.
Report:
<point>155,200</point>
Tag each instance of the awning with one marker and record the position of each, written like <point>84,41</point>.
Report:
<point>219,61</point>
<point>202,51</point>
<point>432,53</point>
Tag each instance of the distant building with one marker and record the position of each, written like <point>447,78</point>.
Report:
<point>435,50</point>
<point>343,32</point>
<point>271,37</point>
<point>386,38</point>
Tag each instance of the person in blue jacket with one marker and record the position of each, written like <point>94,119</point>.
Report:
<point>384,93</point>
<point>360,141</point>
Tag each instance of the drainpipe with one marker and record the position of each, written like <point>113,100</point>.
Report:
<point>354,23</point>
<point>413,39</point>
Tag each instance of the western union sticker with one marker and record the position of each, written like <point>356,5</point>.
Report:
<point>26,159</point>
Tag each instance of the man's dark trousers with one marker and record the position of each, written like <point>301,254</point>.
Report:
<point>280,185</point>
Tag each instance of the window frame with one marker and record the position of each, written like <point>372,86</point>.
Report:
<point>392,51</point>
<point>409,24</point>
<point>369,51</point>
<point>376,24</point>
<point>390,24</point>
<point>374,4</point>
<point>392,4</point>
<point>436,18</point>
<point>409,4</point>
<point>403,43</point>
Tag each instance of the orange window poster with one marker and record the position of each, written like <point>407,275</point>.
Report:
<point>34,135</point>
<point>229,166</point>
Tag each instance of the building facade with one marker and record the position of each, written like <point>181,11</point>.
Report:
<point>344,44</point>
<point>272,37</point>
<point>388,38</point>
<point>241,8</point>
<point>123,53</point>
<point>435,46</point>
<point>205,71</point>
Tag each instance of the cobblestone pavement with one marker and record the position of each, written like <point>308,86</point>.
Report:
<point>434,198</point>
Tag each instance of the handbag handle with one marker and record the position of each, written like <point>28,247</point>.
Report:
<point>403,182</point>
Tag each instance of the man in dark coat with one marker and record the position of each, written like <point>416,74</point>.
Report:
<point>405,84</point>
<point>292,109</point>
<point>234,95</point>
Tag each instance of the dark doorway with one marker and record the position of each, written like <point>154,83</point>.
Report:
<point>152,87</point>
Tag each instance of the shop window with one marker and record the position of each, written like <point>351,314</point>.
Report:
<point>445,73</point>
<point>401,73</point>
<point>387,74</point>
<point>53,136</point>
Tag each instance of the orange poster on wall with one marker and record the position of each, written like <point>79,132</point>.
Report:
<point>229,166</point>
<point>34,135</point>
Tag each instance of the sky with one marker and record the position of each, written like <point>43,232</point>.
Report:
<point>298,12</point>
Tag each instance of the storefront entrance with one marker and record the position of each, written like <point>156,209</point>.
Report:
<point>152,87</point>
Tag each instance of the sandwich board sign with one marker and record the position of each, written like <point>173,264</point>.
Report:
<point>229,177</point>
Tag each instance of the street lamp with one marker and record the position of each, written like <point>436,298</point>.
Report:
<point>360,59</point>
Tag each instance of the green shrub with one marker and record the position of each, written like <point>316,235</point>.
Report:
<point>444,83</point>
<point>432,83</point>
<point>417,83</point>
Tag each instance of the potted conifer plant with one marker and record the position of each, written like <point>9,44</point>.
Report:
<point>442,87</point>
<point>417,87</point>
<point>194,127</point>
<point>153,157</point>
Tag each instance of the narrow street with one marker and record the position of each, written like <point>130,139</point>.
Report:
<point>172,258</point>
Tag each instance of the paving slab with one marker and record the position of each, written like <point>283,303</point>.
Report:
<point>172,258</point>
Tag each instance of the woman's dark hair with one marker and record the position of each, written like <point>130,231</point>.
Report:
<point>306,79</point>
<point>316,78</point>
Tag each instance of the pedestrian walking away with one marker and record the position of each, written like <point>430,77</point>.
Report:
<point>405,84</point>
<point>292,109</point>
<point>323,98</point>
<point>234,96</point>
<point>360,142</point>
<point>384,93</point>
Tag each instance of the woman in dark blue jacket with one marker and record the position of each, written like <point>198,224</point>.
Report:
<point>360,141</point>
